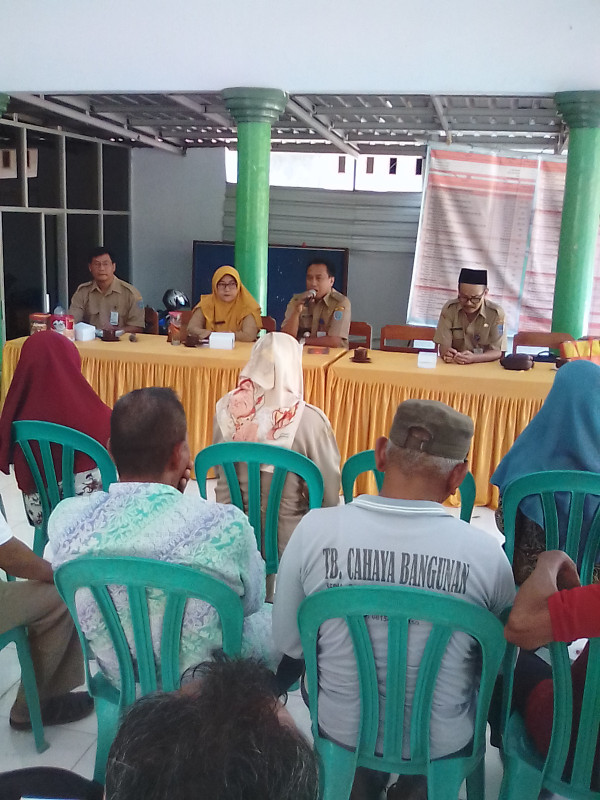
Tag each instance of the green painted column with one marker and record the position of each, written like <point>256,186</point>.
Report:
<point>4,98</point>
<point>254,111</point>
<point>581,212</point>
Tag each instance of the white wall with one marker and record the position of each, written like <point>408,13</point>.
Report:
<point>473,46</point>
<point>174,200</point>
<point>379,286</point>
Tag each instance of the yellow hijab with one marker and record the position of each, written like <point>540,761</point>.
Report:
<point>222,316</point>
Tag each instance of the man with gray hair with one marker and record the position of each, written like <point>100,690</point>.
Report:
<point>403,537</point>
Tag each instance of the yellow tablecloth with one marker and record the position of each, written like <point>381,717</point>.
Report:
<point>199,375</point>
<point>362,399</point>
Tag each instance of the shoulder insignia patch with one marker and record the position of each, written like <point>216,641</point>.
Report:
<point>338,313</point>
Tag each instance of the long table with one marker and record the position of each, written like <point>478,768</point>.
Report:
<point>199,375</point>
<point>362,399</point>
<point>359,399</point>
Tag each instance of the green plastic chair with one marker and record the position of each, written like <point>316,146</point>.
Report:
<point>578,485</point>
<point>141,672</point>
<point>365,461</point>
<point>18,635</point>
<point>400,605</point>
<point>45,434</point>
<point>253,454</point>
<point>526,772</point>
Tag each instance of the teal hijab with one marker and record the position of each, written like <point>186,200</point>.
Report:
<point>564,434</point>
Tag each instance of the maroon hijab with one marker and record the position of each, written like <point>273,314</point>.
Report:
<point>48,386</point>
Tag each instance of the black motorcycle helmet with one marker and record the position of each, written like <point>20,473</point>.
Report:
<point>174,299</point>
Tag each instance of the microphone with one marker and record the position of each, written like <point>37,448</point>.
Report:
<point>310,295</point>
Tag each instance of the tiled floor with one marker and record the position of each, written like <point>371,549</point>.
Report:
<point>74,746</point>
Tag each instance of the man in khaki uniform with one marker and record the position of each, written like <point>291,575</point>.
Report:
<point>55,648</point>
<point>320,315</point>
<point>106,301</point>
<point>471,328</point>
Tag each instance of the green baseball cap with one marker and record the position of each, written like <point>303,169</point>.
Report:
<point>432,427</point>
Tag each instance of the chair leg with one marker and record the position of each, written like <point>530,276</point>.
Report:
<point>520,781</point>
<point>445,778</point>
<point>108,723</point>
<point>40,539</point>
<point>336,771</point>
<point>31,691</point>
<point>476,782</point>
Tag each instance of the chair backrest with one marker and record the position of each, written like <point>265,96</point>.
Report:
<point>362,330</point>
<point>585,734</point>
<point>580,541</point>
<point>150,320</point>
<point>570,768</point>
<point>365,462</point>
<point>186,315</point>
<point>539,339</point>
<point>401,606</point>
<point>406,333</point>
<point>47,436</point>
<point>178,584</point>
<point>269,324</point>
<point>226,455</point>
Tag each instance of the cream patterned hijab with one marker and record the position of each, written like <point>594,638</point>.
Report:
<point>268,402</point>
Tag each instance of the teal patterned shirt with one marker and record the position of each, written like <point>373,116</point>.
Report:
<point>153,520</point>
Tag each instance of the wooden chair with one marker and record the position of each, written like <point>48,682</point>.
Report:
<point>269,324</point>
<point>408,334</point>
<point>540,339</point>
<point>186,315</point>
<point>150,320</point>
<point>364,331</point>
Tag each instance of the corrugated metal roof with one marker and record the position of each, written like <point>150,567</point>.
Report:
<point>365,124</point>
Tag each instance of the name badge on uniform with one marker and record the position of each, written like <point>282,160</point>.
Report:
<point>114,317</point>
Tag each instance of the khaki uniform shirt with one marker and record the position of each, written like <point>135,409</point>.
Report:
<point>329,316</point>
<point>485,332</point>
<point>88,304</point>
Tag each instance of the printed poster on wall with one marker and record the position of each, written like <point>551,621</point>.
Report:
<point>501,213</point>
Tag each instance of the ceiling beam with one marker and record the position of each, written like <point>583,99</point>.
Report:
<point>433,127</point>
<point>94,122</point>
<point>439,110</point>
<point>452,112</point>
<point>173,122</point>
<point>302,114</point>
<point>217,116</point>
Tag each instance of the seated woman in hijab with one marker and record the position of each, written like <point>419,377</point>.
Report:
<point>563,435</point>
<point>230,307</point>
<point>48,386</point>
<point>268,406</point>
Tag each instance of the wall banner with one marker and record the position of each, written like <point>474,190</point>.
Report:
<point>499,212</point>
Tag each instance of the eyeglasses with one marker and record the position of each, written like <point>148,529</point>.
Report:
<point>473,299</point>
<point>226,285</point>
